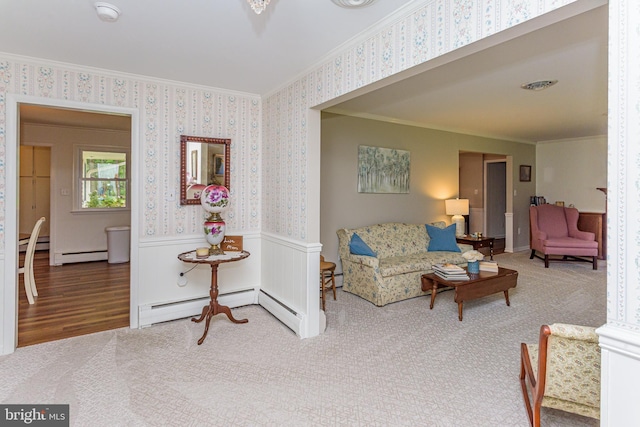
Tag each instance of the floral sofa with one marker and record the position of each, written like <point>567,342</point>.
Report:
<point>399,257</point>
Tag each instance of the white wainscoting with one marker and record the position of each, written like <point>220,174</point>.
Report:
<point>290,277</point>
<point>160,295</point>
<point>286,271</point>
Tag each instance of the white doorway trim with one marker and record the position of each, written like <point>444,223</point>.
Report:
<point>10,288</point>
<point>509,200</point>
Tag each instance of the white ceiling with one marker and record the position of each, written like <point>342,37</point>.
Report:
<point>222,43</point>
<point>217,43</point>
<point>480,93</point>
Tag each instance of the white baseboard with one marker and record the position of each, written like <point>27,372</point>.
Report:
<point>289,317</point>
<point>67,258</point>
<point>149,314</point>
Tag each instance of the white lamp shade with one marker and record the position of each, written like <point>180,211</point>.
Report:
<point>457,206</point>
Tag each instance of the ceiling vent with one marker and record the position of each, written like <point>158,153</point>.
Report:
<point>538,85</point>
<point>353,3</point>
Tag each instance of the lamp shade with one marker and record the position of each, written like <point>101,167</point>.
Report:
<point>457,206</point>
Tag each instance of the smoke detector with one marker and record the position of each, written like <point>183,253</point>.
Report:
<point>353,3</point>
<point>538,85</point>
<point>107,12</point>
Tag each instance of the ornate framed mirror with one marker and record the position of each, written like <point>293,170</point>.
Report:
<point>203,161</point>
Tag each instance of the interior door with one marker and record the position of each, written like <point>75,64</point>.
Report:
<point>35,181</point>
<point>495,198</point>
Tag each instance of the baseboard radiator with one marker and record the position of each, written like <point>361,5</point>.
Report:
<point>70,257</point>
<point>282,312</point>
<point>149,314</point>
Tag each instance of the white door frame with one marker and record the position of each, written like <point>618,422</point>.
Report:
<point>508,223</point>
<point>10,286</point>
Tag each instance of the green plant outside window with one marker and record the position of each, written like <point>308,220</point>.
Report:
<point>104,180</point>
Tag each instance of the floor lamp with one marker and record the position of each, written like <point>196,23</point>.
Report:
<point>457,208</point>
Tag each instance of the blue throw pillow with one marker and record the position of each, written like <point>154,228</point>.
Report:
<point>358,247</point>
<point>442,239</point>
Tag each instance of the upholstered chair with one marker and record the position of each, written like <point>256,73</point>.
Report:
<point>27,269</point>
<point>554,232</point>
<point>562,371</point>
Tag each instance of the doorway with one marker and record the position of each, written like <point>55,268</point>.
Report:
<point>495,199</point>
<point>64,308</point>
<point>14,103</point>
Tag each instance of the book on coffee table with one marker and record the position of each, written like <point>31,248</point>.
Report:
<point>491,266</point>
<point>450,272</point>
<point>452,277</point>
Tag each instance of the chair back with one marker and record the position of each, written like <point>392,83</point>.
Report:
<point>551,219</point>
<point>33,241</point>
<point>573,365</point>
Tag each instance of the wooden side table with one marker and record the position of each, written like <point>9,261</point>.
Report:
<point>478,242</point>
<point>213,308</point>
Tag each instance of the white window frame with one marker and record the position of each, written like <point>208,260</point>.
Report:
<point>78,178</point>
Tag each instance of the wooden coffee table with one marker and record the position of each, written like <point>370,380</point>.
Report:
<point>479,285</point>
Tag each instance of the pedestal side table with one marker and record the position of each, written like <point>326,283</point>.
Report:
<point>213,308</point>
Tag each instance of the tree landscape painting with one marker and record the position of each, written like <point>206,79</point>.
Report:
<point>383,170</point>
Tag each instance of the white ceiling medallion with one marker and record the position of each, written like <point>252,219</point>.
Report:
<point>353,3</point>
<point>258,6</point>
<point>107,12</point>
<point>538,85</point>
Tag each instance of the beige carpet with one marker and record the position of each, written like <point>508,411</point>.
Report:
<point>399,365</point>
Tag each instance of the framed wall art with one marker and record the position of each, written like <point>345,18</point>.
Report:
<point>383,170</point>
<point>525,173</point>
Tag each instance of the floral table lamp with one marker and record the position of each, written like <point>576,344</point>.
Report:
<point>214,199</point>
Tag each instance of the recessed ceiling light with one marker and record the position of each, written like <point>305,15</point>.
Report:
<point>107,12</point>
<point>353,3</point>
<point>538,85</point>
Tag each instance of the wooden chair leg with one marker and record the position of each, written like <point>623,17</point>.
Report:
<point>30,279</point>
<point>533,253</point>
<point>595,262</point>
<point>27,285</point>
<point>322,289</point>
<point>546,261</point>
<point>333,285</point>
<point>523,383</point>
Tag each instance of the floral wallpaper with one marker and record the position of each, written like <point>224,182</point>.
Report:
<point>433,28</point>
<point>167,110</point>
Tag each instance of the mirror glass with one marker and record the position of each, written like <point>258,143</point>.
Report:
<point>203,161</point>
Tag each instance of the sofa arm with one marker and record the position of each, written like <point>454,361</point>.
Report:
<point>369,261</point>
<point>464,247</point>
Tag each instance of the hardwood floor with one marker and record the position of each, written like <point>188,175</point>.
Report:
<point>73,299</point>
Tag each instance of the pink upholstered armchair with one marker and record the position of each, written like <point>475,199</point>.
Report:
<point>554,231</point>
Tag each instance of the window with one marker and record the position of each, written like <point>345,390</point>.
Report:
<point>104,181</point>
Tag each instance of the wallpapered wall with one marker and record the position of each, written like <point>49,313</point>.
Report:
<point>432,29</point>
<point>167,110</point>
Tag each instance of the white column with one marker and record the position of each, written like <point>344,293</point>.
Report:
<point>620,337</point>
